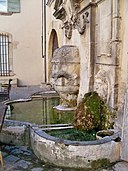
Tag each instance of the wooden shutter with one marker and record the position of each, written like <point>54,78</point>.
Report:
<point>13,5</point>
<point>3,5</point>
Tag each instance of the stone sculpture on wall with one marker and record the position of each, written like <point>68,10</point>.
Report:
<point>68,12</point>
<point>102,85</point>
<point>79,22</point>
<point>68,29</point>
<point>65,74</point>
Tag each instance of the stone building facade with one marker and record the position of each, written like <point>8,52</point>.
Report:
<point>99,29</point>
<point>21,24</point>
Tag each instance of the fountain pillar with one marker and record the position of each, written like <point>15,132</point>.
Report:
<point>65,75</point>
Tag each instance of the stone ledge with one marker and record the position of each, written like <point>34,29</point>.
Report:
<point>106,139</point>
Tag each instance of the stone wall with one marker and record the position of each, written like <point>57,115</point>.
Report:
<point>123,88</point>
<point>98,28</point>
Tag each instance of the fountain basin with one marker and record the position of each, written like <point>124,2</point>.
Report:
<point>107,133</point>
<point>39,111</point>
<point>60,152</point>
<point>74,154</point>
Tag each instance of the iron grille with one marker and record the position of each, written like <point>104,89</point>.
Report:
<point>4,55</point>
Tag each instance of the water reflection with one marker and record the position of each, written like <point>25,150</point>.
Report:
<point>39,111</point>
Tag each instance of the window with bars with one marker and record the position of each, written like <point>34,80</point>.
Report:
<point>4,55</point>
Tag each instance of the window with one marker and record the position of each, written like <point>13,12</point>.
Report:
<point>9,6</point>
<point>3,6</point>
<point>4,55</point>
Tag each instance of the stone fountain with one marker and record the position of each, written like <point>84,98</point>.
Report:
<point>65,75</point>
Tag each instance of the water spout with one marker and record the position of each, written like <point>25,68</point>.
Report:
<point>65,76</point>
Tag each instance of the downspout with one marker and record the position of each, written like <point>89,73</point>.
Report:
<point>44,38</point>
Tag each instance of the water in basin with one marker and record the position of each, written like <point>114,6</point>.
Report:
<point>39,111</point>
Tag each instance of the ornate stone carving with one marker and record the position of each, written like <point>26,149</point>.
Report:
<point>81,22</point>
<point>60,14</point>
<point>69,14</point>
<point>68,29</point>
<point>57,4</point>
<point>102,85</point>
<point>65,73</point>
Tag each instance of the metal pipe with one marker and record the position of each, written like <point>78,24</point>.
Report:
<point>44,39</point>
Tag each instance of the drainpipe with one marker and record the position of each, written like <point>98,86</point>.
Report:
<point>44,38</point>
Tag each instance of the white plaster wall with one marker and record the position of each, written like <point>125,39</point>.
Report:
<point>26,30</point>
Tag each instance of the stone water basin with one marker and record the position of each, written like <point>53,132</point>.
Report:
<point>75,154</point>
<point>39,111</point>
<point>60,152</point>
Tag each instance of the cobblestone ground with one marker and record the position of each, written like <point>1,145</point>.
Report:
<point>22,159</point>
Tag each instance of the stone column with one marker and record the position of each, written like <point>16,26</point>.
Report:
<point>124,75</point>
<point>124,145</point>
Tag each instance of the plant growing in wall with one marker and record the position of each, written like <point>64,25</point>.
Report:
<point>92,113</point>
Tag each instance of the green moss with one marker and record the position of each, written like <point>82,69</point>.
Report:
<point>92,113</point>
<point>100,163</point>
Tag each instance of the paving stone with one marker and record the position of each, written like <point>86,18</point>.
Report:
<point>23,164</point>
<point>121,166</point>
<point>4,154</point>
<point>27,153</point>
<point>11,159</point>
<point>24,148</point>
<point>10,167</point>
<point>16,151</point>
<point>37,169</point>
<point>7,148</point>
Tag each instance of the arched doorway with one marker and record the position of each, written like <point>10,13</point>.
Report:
<point>53,45</point>
<point>54,41</point>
